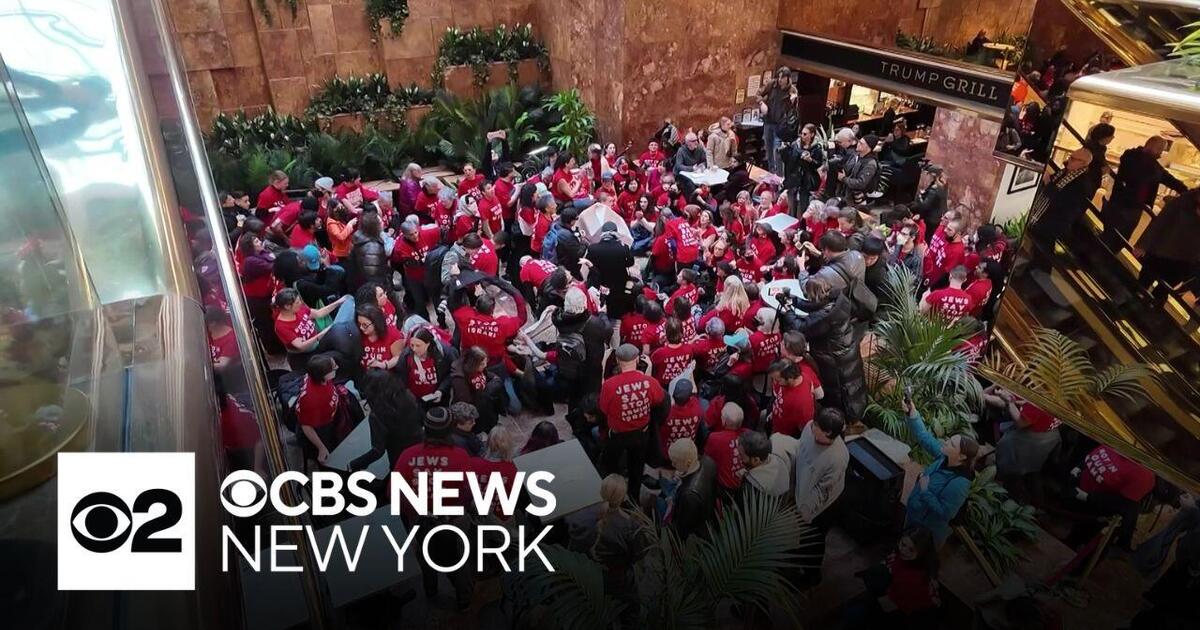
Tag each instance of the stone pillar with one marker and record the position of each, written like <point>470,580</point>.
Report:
<point>637,62</point>
<point>962,144</point>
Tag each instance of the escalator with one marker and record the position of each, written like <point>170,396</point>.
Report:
<point>1138,31</point>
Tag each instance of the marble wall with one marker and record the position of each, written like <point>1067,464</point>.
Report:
<point>876,23</point>
<point>1055,27</point>
<point>637,62</point>
<point>961,143</point>
<point>236,59</point>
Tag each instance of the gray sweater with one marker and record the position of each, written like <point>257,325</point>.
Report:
<point>820,474</point>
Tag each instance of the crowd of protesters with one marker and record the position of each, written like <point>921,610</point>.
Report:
<point>688,380</point>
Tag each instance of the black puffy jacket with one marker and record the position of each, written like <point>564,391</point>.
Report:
<point>695,500</point>
<point>831,341</point>
<point>369,263</point>
<point>596,331</point>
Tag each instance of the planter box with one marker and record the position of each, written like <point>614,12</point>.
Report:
<point>342,122</point>
<point>460,80</point>
<point>415,114</point>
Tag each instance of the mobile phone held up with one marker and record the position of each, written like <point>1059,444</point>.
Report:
<point>907,396</point>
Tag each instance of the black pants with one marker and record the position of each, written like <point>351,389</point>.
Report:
<point>631,444</point>
<point>1102,504</point>
<point>415,298</point>
<point>445,549</point>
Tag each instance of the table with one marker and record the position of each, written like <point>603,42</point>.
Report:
<point>1001,48</point>
<point>711,177</point>
<point>576,484</point>
<point>276,600</point>
<point>354,445</point>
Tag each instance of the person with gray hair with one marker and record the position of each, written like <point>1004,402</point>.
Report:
<point>410,187</point>
<point>840,157</point>
<point>690,158</point>
<point>426,202</point>
<point>722,447</point>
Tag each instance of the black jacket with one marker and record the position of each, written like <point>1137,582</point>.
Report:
<point>369,263</point>
<point>568,249</point>
<point>391,433</point>
<point>695,500</point>
<point>802,174</point>
<point>831,342</point>
<point>596,331</point>
<point>931,205</point>
<point>610,261</point>
<point>862,175</point>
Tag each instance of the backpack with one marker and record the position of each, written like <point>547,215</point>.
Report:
<point>433,272</point>
<point>550,244</point>
<point>286,394</point>
<point>571,355</point>
<point>862,301</point>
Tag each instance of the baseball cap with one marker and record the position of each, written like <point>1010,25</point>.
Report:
<point>312,257</point>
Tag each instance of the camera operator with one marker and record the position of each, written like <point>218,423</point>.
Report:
<point>931,202</point>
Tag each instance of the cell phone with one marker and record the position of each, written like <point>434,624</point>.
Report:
<point>907,395</point>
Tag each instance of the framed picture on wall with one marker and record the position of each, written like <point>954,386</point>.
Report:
<point>1022,179</point>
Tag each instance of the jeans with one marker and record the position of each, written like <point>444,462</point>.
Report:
<point>642,238</point>
<point>771,142</point>
<point>345,312</point>
<point>584,202</point>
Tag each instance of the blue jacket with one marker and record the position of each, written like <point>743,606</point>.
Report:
<point>937,505</point>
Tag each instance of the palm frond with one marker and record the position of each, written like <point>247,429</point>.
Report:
<point>1057,366</point>
<point>573,593</point>
<point>1124,381</point>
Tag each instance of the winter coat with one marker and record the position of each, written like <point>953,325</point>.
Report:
<point>719,148</point>
<point>369,263</point>
<point>695,500</point>
<point>596,331</point>
<point>802,174</point>
<point>862,175</point>
<point>839,363</point>
<point>611,260</point>
<point>1172,234</point>
<point>938,504</point>
<point>568,249</point>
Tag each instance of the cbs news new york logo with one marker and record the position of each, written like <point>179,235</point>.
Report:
<point>126,521</point>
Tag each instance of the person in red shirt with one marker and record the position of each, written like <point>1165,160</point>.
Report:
<point>568,183</point>
<point>479,326</point>
<point>222,343</point>
<point>423,368</point>
<point>633,324</point>
<point>682,421</point>
<point>408,254</point>
<point>484,258</point>
<point>534,271</point>
<point>952,302</point>
<point>491,210</point>
<point>765,340</point>
<point>980,287</point>
<point>296,325</point>
<point>437,453</point>
<point>304,232</point>
<point>371,293</point>
<point>652,158</point>
<point>466,219</point>
<point>506,190</point>
<point>1111,484</point>
<point>426,204</point>
<point>627,400</point>
<point>944,253</point>
<point>280,227</point>
<point>273,197</point>
<point>497,461</point>
<point>687,289</point>
<point>685,237</point>
<point>627,200</point>
<point>381,343</point>
<point>470,182</point>
<point>722,447</point>
<point>543,221</point>
<point>239,431</point>
<point>764,243</point>
<point>794,386</point>
<point>316,407</point>
<point>351,193</point>
<point>672,359</point>
<point>709,350</point>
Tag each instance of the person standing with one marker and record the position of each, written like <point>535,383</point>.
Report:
<point>722,447</point>
<point>1167,248</point>
<point>861,176</point>
<point>1136,187</point>
<point>802,161</point>
<point>1060,202</point>
<point>820,473</point>
<point>610,260</point>
<point>774,104</point>
<point>696,497</point>
<point>721,144</point>
<point>941,489</point>
<point>627,400</point>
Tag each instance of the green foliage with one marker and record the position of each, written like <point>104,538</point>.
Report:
<point>454,129</point>
<point>370,95</point>
<point>1188,47</point>
<point>930,46</point>
<point>394,11</point>
<point>919,351</point>
<point>996,523</point>
<point>682,585</point>
<point>1058,368</point>
<point>478,47</point>
<point>577,125</point>
<point>236,133</point>
<point>926,45</point>
<point>1015,227</point>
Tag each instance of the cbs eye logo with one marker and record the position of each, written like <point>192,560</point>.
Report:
<point>102,522</point>
<point>126,521</point>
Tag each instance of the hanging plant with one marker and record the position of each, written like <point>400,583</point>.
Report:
<point>394,11</point>
<point>265,8</point>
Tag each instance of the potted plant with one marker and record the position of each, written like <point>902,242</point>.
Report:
<point>577,125</point>
<point>474,61</point>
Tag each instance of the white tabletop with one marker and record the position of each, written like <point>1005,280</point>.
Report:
<point>576,483</point>
<point>276,600</point>
<point>710,177</point>
<point>355,445</point>
<point>780,223</point>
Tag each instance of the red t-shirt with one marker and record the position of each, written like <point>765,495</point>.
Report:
<point>650,159</point>
<point>411,256</point>
<point>541,227</point>
<point>764,249</point>
<point>712,416</point>
<point>287,215</point>
<point>485,259</point>
<point>749,269</point>
<point>462,224</point>
<point>422,375</point>
<point>687,240</point>
<point>682,422</point>
<point>980,290</point>
<point>223,346</point>
<point>633,328</point>
<point>670,362</point>
<point>317,403</point>
<point>485,469</point>
<point>389,312</point>
<point>1039,420</point>
<point>722,447</point>
<point>535,271</point>
<point>504,193</point>
<point>427,458</point>
<point>794,407</point>
<point>381,349</point>
<point>444,216</point>
<point>626,400</point>
<point>486,331</point>
<point>627,204</point>
<point>1106,470</point>
<point>491,212</point>
<point>426,205</point>
<point>470,185</point>
<point>561,175</point>
<point>271,197</point>
<point>709,352</point>
<point>355,194</point>
<point>942,256</point>
<point>765,349</point>
<point>300,237</point>
<point>950,302</point>
<point>691,292</point>
<point>303,327</point>
<point>238,426</point>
